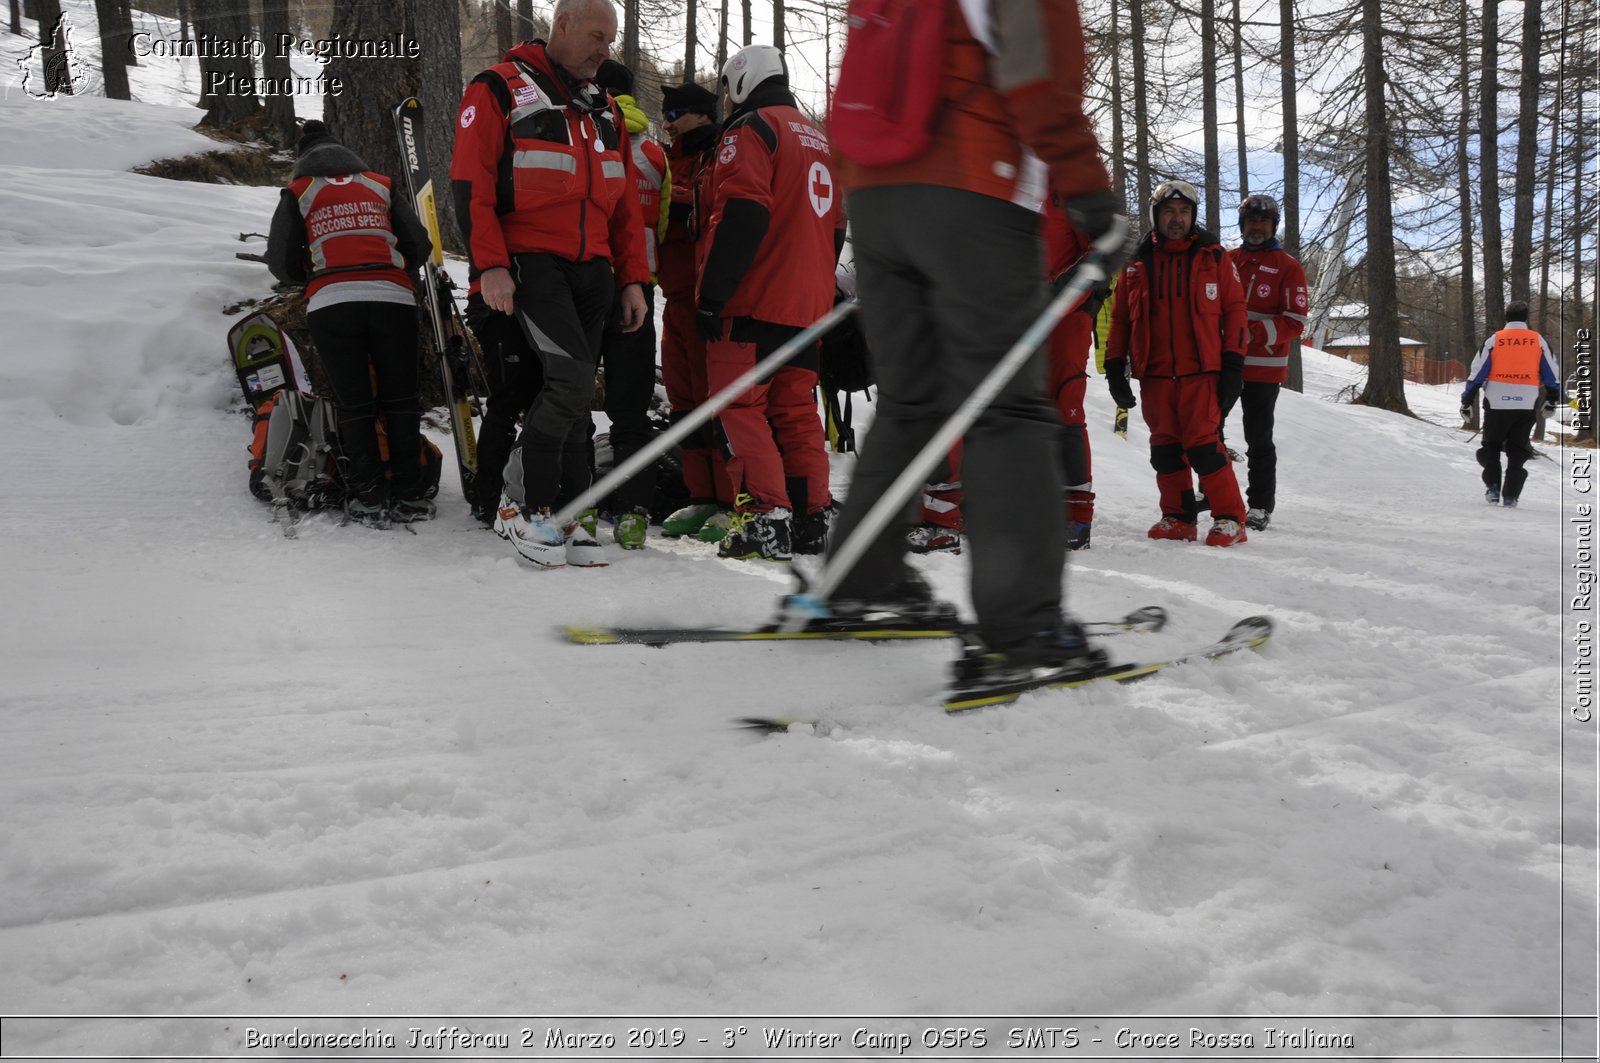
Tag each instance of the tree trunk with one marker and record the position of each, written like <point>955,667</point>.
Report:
<point>1385,369</point>
<point>439,24</point>
<point>777,25</point>
<point>185,18</point>
<point>1141,109</point>
<point>125,31</point>
<point>1119,138</point>
<point>1291,130</point>
<point>744,41</point>
<point>722,43</point>
<point>113,45</point>
<point>275,66</point>
<point>1468,287</point>
<point>1494,287</point>
<point>57,64</point>
<point>361,115</point>
<point>523,29</point>
<point>692,37</point>
<point>16,18</point>
<point>226,91</point>
<point>1208,97</point>
<point>502,27</point>
<point>1547,248</point>
<point>630,35</point>
<point>1238,100</point>
<point>1525,179</point>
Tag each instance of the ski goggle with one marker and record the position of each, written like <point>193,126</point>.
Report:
<point>1174,190</point>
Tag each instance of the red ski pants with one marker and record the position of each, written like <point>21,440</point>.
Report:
<point>1182,415</point>
<point>773,431</point>
<point>1068,381</point>
<point>686,378</point>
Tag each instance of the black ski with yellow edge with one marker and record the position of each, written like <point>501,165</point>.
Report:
<point>1249,633</point>
<point>1149,618</point>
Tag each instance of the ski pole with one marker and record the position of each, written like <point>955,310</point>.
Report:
<point>1090,270</point>
<point>702,413</point>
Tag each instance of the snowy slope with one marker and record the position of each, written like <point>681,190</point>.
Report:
<point>354,774</point>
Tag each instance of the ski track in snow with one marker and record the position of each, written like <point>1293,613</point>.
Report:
<point>356,773</point>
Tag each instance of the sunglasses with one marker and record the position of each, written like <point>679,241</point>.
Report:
<point>673,114</point>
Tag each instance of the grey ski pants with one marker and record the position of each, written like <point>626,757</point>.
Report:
<point>948,281</point>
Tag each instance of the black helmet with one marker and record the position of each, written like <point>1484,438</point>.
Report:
<point>1173,190</point>
<point>1259,206</point>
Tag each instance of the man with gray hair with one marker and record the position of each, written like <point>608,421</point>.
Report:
<point>543,183</point>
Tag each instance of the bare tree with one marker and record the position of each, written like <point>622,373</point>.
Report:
<point>692,35</point>
<point>722,40</point>
<point>1525,179</point>
<point>113,44</point>
<point>1291,138</point>
<point>1119,142</point>
<point>1208,96</point>
<point>16,18</point>
<point>502,26</point>
<point>440,91</point>
<point>1385,386</point>
<point>275,67</point>
<point>1141,107</point>
<point>1238,100</point>
<point>223,82</point>
<point>777,25</point>
<point>1494,288</point>
<point>746,38</point>
<point>1468,281</point>
<point>523,30</point>
<point>361,115</point>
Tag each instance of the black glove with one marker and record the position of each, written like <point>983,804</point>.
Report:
<point>1117,383</point>
<point>1467,398</point>
<point>1466,411</point>
<point>1092,215</point>
<point>1551,398</point>
<point>1230,384</point>
<point>708,321</point>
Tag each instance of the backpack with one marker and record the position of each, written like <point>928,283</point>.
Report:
<point>844,366</point>
<point>890,81</point>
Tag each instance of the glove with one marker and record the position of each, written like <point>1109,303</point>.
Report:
<point>1092,302</point>
<point>1467,398</point>
<point>1551,398</point>
<point>1092,215</point>
<point>1230,384</point>
<point>708,321</point>
<point>1117,383</point>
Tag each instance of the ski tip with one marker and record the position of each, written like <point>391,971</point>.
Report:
<point>589,636</point>
<point>1149,618</point>
<point>1252,629</point>
<point>771,724</point>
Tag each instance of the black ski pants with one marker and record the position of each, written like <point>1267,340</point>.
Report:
<point>629,359</point>
<point>562,308</point>
<point>941,305</point>
<point>515,377</point>
<point>369,355</point>
<point>1506,431</point>
<point>1260,404</point>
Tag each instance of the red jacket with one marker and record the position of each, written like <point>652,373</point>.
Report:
<point>1275,298</point>
<point>1173,322</point>
<point>534,173</point>
<point>981,129</point>
<point>767,214</point>
<point>687,157</point>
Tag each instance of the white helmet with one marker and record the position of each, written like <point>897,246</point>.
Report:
<point>749,67</point>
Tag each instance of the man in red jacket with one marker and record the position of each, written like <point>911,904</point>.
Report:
<point>692,120</point>
<point>1275,298</point>
<point>545,195</point>
<point>771,225</point>
<point>949,266</point>
<point>1178,318</point>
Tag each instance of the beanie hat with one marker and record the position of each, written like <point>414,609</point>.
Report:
<point>690,99</point>
<point>312,134</point>
<point>614,78</point>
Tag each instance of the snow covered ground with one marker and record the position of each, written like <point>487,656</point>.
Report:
<point>355,775</point>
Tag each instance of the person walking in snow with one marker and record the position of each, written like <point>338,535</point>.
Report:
<point>771,226</point>
<point>1178,321</point>
<point>691,118</point>
<point>546,197</point>
<point>1516,371</point>
<point>340,230</point>
<point>1276,305</point>
<point>629,358</point>
<point>949,267</point>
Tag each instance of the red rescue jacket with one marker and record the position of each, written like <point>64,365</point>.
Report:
<point>1203,308</point>
<point>1276,302</point>
<point>772,157</point>
<point>544,165</point>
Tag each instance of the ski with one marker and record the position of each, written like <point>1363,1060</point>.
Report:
<point>1249,633</point>
<point>449,344</point>
<point>1148,618</point>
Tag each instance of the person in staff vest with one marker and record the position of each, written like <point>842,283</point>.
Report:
<point>342,232</point>
<point>1517,372</point>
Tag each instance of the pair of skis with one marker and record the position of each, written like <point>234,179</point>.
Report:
<point>1248,633</point>
<point>449,332</point>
